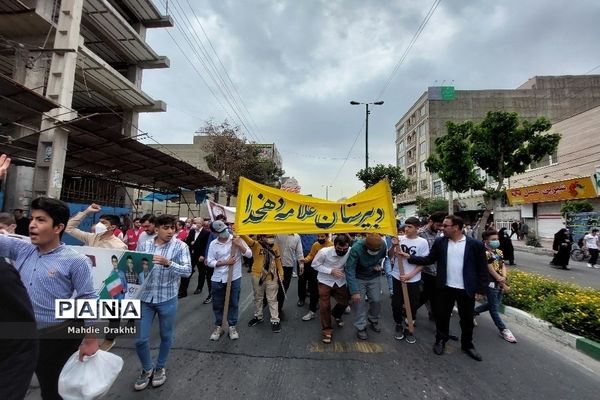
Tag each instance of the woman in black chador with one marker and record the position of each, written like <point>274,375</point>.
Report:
<point>563,241</point>
<point>506,246</point>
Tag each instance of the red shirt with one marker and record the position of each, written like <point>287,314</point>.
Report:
<point>182,235</point>
<point>132,238</point>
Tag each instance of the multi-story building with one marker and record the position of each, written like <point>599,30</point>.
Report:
<point>70,96</point>
<point>554,97</point>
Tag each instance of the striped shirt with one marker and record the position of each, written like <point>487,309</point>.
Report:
<point>56,274</point>
<point>162,283</point>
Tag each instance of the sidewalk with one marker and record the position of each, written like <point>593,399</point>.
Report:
<point>546,248</point>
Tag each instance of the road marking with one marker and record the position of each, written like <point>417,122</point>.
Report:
<point>345,347</point>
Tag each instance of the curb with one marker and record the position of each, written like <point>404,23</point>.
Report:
<point>579,343</point>
<point>534,250</point>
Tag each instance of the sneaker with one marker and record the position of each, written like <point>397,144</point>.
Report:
<point>276,327</point>
<point>254,321</point>
<point>362,334</point>
<point>107,344</point>
<point>589,265</point>
<point>326,339</point>
<point>347,310</point>
<point>339,322</point>
<point>300,303</point>
<point>508,336</point>
<point>159,377</point>
<point>410,338</point>
<point>294,275</point>
<point>597,266</point>
<point>233,333</point>
<point>474,321</point>
<point>197,291</point>
<point>142,382</point>
<point>399,332</point>
<point>208,300</point>
<point>310,315</point>
<point>216,335</point>
<point>374,326</point>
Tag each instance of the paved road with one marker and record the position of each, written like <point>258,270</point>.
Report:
<point>579,273</point>
<point>295,365</point>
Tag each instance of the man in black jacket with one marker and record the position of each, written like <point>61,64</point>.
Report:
<point>197,241</point>
<point>461,273</point>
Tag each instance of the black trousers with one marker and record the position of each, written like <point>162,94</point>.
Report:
<point>428,294</point>
<point>414,292</point>
<point>309,277</point>
<point>17,369</point>
<point>287,279</point>
<point>53,354</point>
<point>593,256</point>
<point>204,274</point>
<point>446,298</point>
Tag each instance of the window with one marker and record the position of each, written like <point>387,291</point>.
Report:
<point>401,147</point>
<point>423,184</point>
<point>423,148</point>
<point>422,166</point>
<point>412,171</point>
<point>544,162</point>
<point>401,161</point>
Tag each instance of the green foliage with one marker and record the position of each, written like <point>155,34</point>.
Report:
<point>568,307</point>
<point>503,147</point>
<point>576,206</point>
<point>452,160</point>
<point>394,174</point>
<point>427,206</point>
<point>230,156</point>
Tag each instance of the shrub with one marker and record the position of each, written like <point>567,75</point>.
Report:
<point>568,307</point>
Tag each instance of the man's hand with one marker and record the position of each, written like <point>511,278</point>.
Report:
<point>402,254</point>
<point>4,164</point>
<point>239,242</point>
<point>501,279</point>
<point>88,347</point>
<point>356,298</point>
<point>93,208</point>
<point>201,259</point>
<point>300,269</point>
<point>406,277</point>
<point>158,259</point>
<point>337,273</point>
<point>229,261</point>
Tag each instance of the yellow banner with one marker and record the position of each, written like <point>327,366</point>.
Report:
<point>262,209</point>
<point>570,189</point>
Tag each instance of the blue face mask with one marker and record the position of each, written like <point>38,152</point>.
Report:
<point>224,234</point>
<point>494,244</point>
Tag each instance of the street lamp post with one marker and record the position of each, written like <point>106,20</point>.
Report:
<point>327,191</point>
<point>367,112</point>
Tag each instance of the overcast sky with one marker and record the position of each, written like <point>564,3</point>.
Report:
<point>297,64</point>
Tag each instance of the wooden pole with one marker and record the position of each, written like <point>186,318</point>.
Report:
<point>409,317</point>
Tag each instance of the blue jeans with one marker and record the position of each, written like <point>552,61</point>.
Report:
<point>218,301</point>
<point>368,312</point>
<point>166,318</point>
<point>494,299</point>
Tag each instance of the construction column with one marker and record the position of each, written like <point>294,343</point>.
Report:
<point>52,145</point>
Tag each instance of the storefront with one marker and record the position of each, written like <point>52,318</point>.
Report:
<point>545,201</point>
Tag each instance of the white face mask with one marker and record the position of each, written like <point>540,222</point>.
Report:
<point>100,228</point>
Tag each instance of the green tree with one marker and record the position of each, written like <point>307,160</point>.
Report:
<point>395,176</point>
<point>230,156</point>
<point>576,206</point>
<point>427,206</point>
<point>500,145</point>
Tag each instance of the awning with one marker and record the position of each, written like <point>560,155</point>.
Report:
<point>568,189</point>
<point>18,102</point>
<point>98,150</point>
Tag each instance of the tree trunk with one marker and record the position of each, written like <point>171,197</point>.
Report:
<point>450,203</point>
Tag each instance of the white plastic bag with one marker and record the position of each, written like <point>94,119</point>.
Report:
<point>90,379</point>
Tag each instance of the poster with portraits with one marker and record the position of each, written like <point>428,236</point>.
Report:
<point>132,269</point>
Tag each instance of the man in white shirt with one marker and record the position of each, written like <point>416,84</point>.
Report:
<point>591,243</point>
<point>330,263</point>
<point>223,253</point>
<point>414,245</point>
<point>461,273</point>
<point>103,237</point>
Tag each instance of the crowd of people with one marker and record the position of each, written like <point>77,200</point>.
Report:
<point>436,265</point>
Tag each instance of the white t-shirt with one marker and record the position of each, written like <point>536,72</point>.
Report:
<point>415,247</point>
<point>455,264</point>
<point>591,241</point>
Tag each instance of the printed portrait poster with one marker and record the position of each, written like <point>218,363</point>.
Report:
<point>117,274</point>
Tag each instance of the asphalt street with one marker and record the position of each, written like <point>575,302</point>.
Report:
<point>294,364</point>
<point>579,274</point>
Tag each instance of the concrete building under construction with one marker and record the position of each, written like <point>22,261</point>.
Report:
<point>70,97</point>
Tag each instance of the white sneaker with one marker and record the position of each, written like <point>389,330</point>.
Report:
<point>294,275</point>
<point>348,310</point>
<point>216,335</point>
<point>310,315</point>
<point>508,336</point>
<point>233,333</point>
<point>589,265</point>
<point>597,266</point>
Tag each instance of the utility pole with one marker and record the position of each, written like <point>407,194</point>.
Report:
<point>52,144</point>
<point>377,103</point>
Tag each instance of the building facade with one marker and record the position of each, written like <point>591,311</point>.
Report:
<point>554,97</point>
